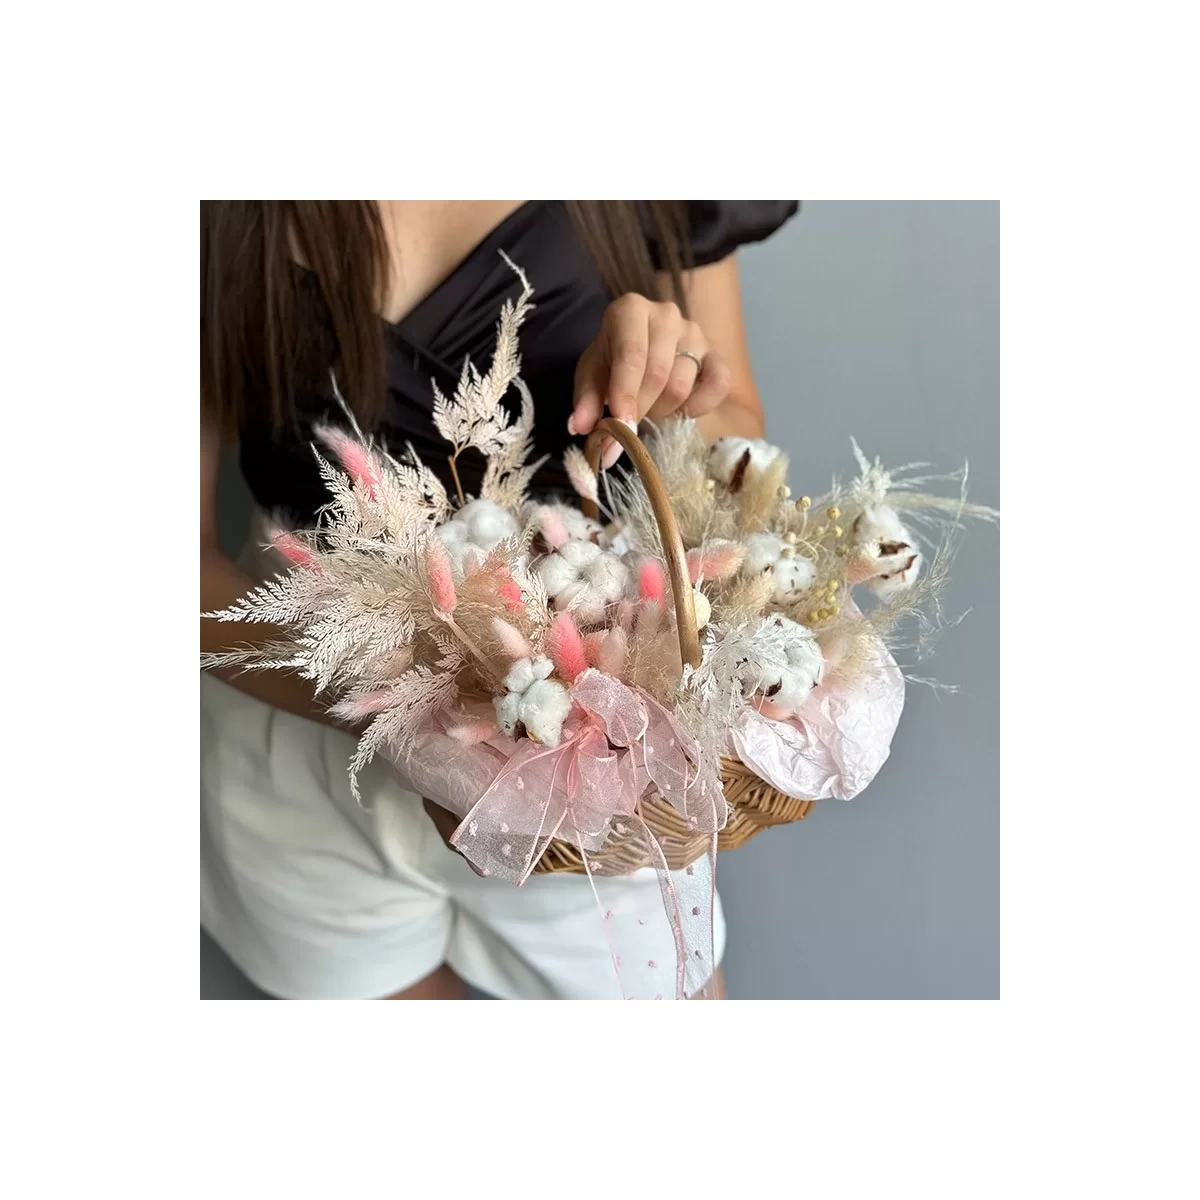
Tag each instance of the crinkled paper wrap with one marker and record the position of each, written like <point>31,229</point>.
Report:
<point>836,743</point>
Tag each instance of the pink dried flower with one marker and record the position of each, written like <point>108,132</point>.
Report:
<point>612,653</point>
<point>365,704</point>
<point>440,576</point>
<point>512,640</point>
<point>591,647</point>
<point>553,527</point>
<point>357,461</point>
<point>652,583</point>
<point>566,647</point>
<point>293,549</point>
<point>715,559</point>
<point>471,733</point>
<point>510,593</point>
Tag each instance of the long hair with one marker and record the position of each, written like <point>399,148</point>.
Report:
<point>261,333</point>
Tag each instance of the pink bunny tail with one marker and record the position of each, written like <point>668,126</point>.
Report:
<point>652,583</point>
<point>357,461</point>
<point>649,616</point>
<point>440,576</point>
<point>591,647</point>
<point>365,704</point>
<point>471,733</point>
<point>566,647</point>
<point>293,549</point>
<point>717,559</point>
<point>510,593</point>
<point>612,653</point>
<point>553,528</point>
<point>512,641</point>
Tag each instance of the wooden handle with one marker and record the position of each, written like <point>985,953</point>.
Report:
<point>668,530</point>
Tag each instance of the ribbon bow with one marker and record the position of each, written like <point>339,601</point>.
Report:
<point>615,741</point>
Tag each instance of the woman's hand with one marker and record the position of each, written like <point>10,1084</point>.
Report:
<point>637,367</point>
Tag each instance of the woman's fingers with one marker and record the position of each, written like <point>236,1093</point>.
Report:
<point>591,382</point>
<point>711,387</point>
<point>636,369</point>
<point>627,335</point>
<point>684,375</point>
<point>666,329</point>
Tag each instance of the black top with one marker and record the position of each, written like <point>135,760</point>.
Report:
<point>458,319</point>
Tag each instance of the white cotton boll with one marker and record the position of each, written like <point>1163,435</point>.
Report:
<point>544,708</point>
<point>582,575</point>
<point>577,525</point>
<point>487,523</point>
<point>451,534</point>
<point>727,455</point>
<point>879,525</point>
<point>792,577</point>
<point>556,574</point>
<point>803,672</point>
<point>886,586</point>
<point>702,606</point>
<point>782,661</point>
<point>763,551</point>
<point>534,700</point>
<point>885,557</point>
<point>615,540</point>
<point>579,554</point>
<point>525,672</point>
<point>508,711</point>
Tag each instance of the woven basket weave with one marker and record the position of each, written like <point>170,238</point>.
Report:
<point>754,804</point>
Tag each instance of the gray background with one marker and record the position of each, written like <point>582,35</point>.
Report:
<point>881,321</point>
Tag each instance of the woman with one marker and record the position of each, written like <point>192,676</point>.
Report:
<point>637,315</point>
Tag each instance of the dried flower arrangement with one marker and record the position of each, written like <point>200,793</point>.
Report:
<point>536,648</point>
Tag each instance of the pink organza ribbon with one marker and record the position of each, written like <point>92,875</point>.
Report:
<point>615,742</point>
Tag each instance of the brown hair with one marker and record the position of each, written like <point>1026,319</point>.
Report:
<point>261,333</point>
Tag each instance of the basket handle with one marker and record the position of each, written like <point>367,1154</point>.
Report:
<point>668,530</point>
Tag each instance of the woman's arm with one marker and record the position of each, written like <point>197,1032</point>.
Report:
<point>221,583</point>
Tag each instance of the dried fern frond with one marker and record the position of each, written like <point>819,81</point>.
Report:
<point>506,478</point>
<point>475,417</point>
<point>410,701</point>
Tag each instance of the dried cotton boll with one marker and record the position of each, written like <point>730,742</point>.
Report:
<point>891,584</point>
<point>885,555</point>
<point>582,576</point>
<point>477,527</point>
<point>793,572</point>
<point>533,700</point>
<point>792,577</point>
<point>763,551</point>
<point>544,708</point>
<point>731,458</point>
<point>783,662</point>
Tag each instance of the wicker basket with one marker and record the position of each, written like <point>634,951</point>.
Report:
<point>754,804</point>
